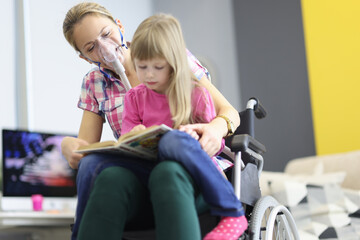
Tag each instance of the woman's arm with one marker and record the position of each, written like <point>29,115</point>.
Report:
<point>91,127</point>
<point>222,105</point>
<point>211,134</point>
<point>90,132</point>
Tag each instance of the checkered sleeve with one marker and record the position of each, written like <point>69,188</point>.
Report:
<point>87,100</point>
<point>196,67</point>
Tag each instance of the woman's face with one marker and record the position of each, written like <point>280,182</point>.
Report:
<point>91,33</point>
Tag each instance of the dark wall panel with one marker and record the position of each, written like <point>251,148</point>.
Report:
<point>272,64</point>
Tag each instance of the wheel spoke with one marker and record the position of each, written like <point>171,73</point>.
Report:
<point>268,213</point>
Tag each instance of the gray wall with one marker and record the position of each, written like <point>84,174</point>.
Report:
<point>272,63</point>
<point>255,49</point>
<point>208,28</point>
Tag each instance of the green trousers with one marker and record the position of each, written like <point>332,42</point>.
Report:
<point>119,199</point>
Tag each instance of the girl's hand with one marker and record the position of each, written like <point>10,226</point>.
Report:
<point>68,146</point>
<point>138,128</point>
<point>189,131</point>
<point>210,137</point>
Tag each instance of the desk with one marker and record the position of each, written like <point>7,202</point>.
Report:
<point>32,218</point>
<point>42,225</point>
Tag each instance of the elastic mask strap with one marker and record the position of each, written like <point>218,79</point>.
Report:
<point>122,37</point>
<point>122,40</point>
<point>98,64</point>
<point>103,72</point>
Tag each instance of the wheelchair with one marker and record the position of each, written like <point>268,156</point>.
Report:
<point>267,218</point>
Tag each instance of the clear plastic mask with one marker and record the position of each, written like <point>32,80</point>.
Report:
<point>109,50</point>
<point>112,53</point>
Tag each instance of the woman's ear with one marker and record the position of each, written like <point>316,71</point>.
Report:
<point>120,25</point>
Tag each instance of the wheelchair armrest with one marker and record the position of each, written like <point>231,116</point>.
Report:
<point>242,142</point>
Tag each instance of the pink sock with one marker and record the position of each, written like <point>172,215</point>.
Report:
<point>229,228</point>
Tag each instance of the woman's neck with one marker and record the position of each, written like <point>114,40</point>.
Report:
<point>130,70</point>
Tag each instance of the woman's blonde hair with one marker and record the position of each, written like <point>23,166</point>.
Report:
<point>160,36</point>
<point>77,13</point>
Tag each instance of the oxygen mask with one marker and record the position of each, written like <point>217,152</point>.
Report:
<point>113,53</point>
<point>109,50</point>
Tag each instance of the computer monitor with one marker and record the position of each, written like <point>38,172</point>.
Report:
<point>32,163</point>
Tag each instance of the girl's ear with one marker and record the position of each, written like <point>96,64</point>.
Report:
<point>85,58</point>
<point>120,25</point>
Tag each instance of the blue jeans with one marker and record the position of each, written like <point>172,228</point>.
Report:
<point>90,167</point>
<point>217,191</point>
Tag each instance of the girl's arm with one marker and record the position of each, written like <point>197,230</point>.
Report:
<point>211,134</point>
<point>90,132</point>
<point>130,115</point>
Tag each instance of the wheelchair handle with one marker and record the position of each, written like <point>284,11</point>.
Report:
<point>259,110</point>
<point>243,142</point>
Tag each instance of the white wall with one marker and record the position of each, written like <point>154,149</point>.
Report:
<point>7,50</point>
<point>54,71</point>
<point>57,72</point>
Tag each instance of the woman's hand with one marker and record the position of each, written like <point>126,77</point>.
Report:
<point>68,146</point>
<point>138,128</point>
<point>210,137</point>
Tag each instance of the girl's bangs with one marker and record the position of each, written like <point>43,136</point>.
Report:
<point>150,47</point>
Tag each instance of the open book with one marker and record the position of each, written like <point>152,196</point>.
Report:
<point>143,143</point>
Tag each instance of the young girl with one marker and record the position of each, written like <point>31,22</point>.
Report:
<point>170,95</point>
<point>101,98</point>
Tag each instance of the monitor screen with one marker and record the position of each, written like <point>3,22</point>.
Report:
<point>33,164</point>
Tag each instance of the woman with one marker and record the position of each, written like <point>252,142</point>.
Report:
<point>85,25</point>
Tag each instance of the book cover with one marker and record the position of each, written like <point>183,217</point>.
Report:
<point>143,143</point>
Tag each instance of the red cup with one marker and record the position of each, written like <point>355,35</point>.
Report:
<point>37,200</point>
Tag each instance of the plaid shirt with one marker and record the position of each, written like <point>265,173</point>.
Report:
<point>104,96</point>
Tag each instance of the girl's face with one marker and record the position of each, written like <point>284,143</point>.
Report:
<point>154,73</point>
<point>91,32</point>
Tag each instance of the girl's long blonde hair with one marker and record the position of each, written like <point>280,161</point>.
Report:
<point>77,13</point>
<point>160,36</point>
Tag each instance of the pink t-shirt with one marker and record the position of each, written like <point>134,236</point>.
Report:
<point>144,106</point>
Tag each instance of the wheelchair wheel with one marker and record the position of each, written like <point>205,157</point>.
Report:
<point>270,220</point>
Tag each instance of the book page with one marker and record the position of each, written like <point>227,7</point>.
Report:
<point>134,133</point>
<point>142,143</point>
<point>146,141</point>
